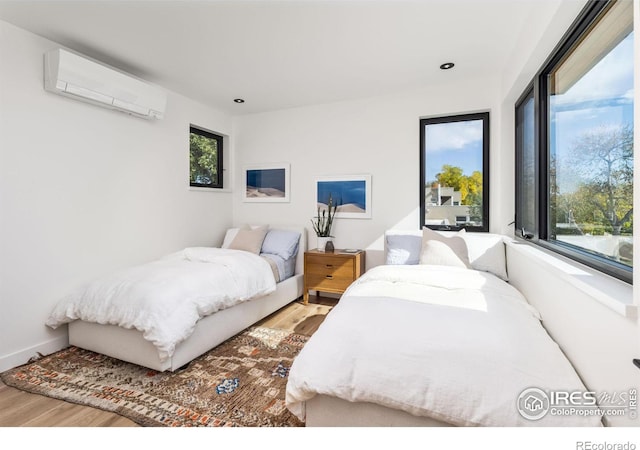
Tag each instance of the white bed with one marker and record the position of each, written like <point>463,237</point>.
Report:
<point>129,344</point>
<point>426,341</point>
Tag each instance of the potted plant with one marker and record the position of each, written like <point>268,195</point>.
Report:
<point>322,224</point>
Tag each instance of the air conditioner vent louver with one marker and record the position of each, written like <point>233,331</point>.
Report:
<point>74,76</point>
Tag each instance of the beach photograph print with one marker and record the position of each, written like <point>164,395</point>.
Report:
<point>267,183</point>
<point>352,194</point>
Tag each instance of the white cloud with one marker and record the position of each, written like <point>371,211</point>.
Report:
<point>452,135</point>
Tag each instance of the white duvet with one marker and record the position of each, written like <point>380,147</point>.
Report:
<point>447,343</point>
<point>164,299</point>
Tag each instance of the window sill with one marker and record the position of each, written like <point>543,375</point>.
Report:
<point>611,292</point>
<point>214,190</point>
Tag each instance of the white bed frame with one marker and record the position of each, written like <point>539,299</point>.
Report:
<point>129,345</point>
<point>326,411</point>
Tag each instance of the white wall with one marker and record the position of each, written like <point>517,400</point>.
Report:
<point>380,136</point>
<point>573,302</point>
<point>84,191</point>
<point>377,136</point>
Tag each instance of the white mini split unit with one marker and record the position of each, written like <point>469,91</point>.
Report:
<point>74,76</point>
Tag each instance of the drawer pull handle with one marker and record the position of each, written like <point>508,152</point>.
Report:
<point>329,266</point>
<point>329,277</point>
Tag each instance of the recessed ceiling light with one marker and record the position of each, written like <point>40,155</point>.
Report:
<point>238,100</point>
<point>447,66</point>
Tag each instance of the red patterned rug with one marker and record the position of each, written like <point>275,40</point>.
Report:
<point>239,383</point>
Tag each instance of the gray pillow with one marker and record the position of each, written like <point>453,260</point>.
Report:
<point>403,248</point>
<point>283,243</point>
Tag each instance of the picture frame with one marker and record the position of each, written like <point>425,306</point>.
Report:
<point>269,183</point>
<point>352,192</point>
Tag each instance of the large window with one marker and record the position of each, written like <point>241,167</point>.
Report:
<point>454,172</point>
<point>574,144</point>
<point>205,158</point>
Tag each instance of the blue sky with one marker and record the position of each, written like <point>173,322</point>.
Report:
<point>455,143</point>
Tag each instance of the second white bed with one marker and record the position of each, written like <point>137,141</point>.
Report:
<point>428,345</point>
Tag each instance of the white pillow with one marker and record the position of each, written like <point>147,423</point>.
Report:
<point>249,239</point>
<point>231,234</point>
<point>440,254</point>
<point>442,250</point>
<point>487,253</point>
<point>486,250</point>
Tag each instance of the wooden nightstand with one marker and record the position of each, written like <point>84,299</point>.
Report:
<point>331,272</point>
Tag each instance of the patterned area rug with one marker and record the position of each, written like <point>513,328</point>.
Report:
<point>239,383</point>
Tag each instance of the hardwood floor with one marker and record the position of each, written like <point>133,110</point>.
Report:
<point>23,409</point>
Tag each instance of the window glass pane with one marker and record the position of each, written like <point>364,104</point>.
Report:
<point>454,184</point>
<point>527,163</point>
<point>205,158</point>
<point>591,141</point>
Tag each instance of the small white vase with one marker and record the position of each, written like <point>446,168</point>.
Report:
<point>322,242</point>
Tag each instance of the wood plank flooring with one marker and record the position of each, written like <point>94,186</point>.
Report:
<point>23,409</point>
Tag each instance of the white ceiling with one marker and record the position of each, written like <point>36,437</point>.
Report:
<point>282,54</point>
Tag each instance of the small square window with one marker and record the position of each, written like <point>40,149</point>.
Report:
<point>205,159</point>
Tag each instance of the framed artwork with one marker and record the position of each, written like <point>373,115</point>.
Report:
<point>352,193</point>
<point>266,183</point>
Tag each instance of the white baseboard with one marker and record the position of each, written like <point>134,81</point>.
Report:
<point>22,357</point>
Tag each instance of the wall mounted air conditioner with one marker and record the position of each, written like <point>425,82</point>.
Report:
<point>75,76</point>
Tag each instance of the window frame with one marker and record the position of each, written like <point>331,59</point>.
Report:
<point>529,92</point>
<point>542,149</point>
<point>194,129</point>
<point>484,116</point>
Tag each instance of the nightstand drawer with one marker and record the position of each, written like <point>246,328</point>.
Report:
<point>329,265</point>
<point>329,282</point>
